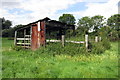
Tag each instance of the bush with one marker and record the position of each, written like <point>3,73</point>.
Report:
<point>100,47</point>
<point>106,43</point>
<point>97,48</point>
<point>69,49</point>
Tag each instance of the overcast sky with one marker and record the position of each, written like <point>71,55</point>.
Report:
<point>26,11</point>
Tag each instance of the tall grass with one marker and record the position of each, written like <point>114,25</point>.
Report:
<point>45,63</point>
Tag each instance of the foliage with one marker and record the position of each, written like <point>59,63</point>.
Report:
<point>67,18</point>
<point>6,24</point>
<point>69,33</point>
<point>87,24</point>
<point>98,22</point>
<point>100,47</point>
<point>114,21</point>
<point>84,24</point>
<point>69,49</point>
<point>10,32</point>
<point>42,64</point>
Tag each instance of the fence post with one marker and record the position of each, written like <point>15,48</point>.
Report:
<point>86,41</point>
<point>24,36</point>
<point>63,40</point>
<point>15,38</point>
<point>96,38</point>
<point>99,38</point>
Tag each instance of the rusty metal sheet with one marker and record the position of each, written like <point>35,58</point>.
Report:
<point>42,33</point>
<point>34,43</point>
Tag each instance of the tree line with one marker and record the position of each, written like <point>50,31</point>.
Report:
<point>96,25</point>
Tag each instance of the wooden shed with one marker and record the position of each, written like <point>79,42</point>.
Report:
<point>34,34</point>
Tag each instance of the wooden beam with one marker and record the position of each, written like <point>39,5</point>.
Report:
<point>24,43</point>
<point>75,41</point>
<point>15,37</point>
<point>100,38</point>
<point>78,42</point>
<point>23,39</point>
<point>31,35</point>
<point>27,35</point>
<point>86,41</point>
<point>63,40</point>
<point>53,40</point>
<point>96,38</point>
<point>24,36</point>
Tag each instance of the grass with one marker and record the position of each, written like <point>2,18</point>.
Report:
<point>44,64</point>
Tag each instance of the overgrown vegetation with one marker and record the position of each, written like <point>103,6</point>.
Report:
<point>71,61</point>
<point>48,63</point>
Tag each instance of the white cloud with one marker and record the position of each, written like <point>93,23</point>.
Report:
<point>39,8</point>
<point>104,9</point>
<point>48,8</point>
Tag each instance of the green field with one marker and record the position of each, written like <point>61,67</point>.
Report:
<point>44,64</point>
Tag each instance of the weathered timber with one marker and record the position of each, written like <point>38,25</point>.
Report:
<point>27,35</point>
<point>63,40</point>
<point>23,39</point>
<point>15,37</point>
<point>86,41</point>
<point>96,38</point>
<point>23,43</point>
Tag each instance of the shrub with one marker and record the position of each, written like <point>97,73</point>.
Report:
<point>97,48</point>
<point>100,47</point>
<point>106,43</point>
<point>69,49</point>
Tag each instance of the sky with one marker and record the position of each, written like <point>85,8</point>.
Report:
<point>27,11</point>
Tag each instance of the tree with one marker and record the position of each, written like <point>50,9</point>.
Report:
<point>84,24</point>
<point>67,18</point>
<point>114,21</point>
<point>97,22</point>
<point>6,24</point>
<point>10,32</point>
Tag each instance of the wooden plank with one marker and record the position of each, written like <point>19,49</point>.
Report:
<point>26,47</point>
<point>23,43</point>
<point>53,40</point>
<point>66,41</point>
<point>27,35</point>
<point>23,38</point>
<point>75,41</point>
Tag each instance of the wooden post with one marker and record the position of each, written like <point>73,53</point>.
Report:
<point>24,36</point>
<point>86,41</point>
<point>15,38</point>
<point>96,38</point>
<point>49,36</point>
<point>63,40</point>
<point>99,38</point>
<point>30,36</point>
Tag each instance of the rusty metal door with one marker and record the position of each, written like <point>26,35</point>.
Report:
<point>34,44</point>
<point>42,33</point>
